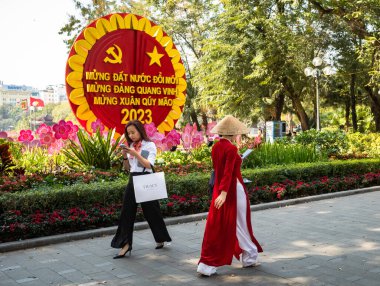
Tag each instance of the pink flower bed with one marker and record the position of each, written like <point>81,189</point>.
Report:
<point>54,137</point>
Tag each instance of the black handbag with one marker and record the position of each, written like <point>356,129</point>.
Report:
<point>211,183</point>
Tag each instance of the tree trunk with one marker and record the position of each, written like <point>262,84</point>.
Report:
<point>191,94</point>
<point>376,116</point>
<point>279,105</point>
<point>347,111</point>
<point>297,105</point>
<point>375,106</point>
<point>300,111</point>
<point>353,103</point>
<point>194,118</point>
<point>204,120</point>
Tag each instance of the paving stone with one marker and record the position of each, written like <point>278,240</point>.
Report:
<point>27,279</point>
<point>9,282</point>
<point>19,274</point>
<point>375,270</point>
<point>367,282</point>
<point>77,277</point>
<point>331,242</point>
<point>50,277</point>
<point>10,268</point>
<point>67,271</point>
<point>102,276</point>
<point>354,278</point>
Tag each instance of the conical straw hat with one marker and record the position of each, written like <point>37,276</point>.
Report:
<point>230,125</point>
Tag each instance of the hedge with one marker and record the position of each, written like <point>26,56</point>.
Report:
<point>48,199</point>
<point>108,193</point>
<point>310,171</point>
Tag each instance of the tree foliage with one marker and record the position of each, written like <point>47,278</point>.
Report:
<point>248,57</point>
<point>258,50</point>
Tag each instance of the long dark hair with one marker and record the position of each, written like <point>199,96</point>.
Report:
<point>140,128</point>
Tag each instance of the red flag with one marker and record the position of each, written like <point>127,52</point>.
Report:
<point>36,102</point>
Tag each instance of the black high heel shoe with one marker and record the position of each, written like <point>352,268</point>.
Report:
<point>160,245</point>
<point>122,255</point>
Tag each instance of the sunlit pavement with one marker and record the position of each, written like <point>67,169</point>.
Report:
<point>330,242</point>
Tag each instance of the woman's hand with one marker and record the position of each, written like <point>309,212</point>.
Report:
<point>124,152</point>
<point>127,150</point>
<point>143,161</point>
<point>132,152</point>
<point>219,201</point>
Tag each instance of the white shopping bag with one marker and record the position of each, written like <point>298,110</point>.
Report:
<point>150,187</point>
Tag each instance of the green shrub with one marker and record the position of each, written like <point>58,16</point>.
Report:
<point>81,194</point>
<point>49,199</point>
<point>200,154</point>
<point>368,144</point>
<point>309,171</point>
<point>6,162</point>
<point>38,160</point>
<point>26,183</point>
<point>194,183</point>
<point>92,151</point>
<point>332,142</point>
<point>31,160</point>
<point>280,153</point>
<point>14,147</point>
<point>50,211</point>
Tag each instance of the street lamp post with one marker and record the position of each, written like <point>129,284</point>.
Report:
<point>316,73</point>
<point>31,113</point>
<point>34,109</point>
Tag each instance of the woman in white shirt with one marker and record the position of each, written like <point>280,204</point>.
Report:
<point>138,159</point>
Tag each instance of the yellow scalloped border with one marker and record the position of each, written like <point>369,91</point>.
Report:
<point>93,34</point>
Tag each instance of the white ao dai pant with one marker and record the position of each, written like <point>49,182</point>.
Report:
<point>250,253</point>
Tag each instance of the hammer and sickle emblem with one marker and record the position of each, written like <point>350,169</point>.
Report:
<point>116,57</point>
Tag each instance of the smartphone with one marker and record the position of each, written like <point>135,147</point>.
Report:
<point>246,153</point>
<point>123,145</point>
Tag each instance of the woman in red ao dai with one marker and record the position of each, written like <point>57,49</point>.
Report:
<point>228,229</point>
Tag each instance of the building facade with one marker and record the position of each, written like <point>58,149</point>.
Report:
<point>11,94</point>
<point>54,94</point>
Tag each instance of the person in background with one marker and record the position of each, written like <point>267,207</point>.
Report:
<point>228,229</point>
<point>138,160</point>
<point>258,139</point>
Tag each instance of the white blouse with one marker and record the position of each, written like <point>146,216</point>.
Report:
<point>150,150</point>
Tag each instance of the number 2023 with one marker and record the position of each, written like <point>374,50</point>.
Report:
<point>143,115</point>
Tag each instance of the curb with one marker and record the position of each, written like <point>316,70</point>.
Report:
<point>90,234</point>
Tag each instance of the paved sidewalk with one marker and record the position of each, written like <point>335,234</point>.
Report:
<point>331,242</point>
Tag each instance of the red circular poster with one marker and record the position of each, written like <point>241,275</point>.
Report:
<point>123,67</point>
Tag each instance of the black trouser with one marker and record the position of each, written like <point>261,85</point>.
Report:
<point>152,214</point>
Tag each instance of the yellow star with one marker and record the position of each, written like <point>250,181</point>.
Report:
<point>155,57</point>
